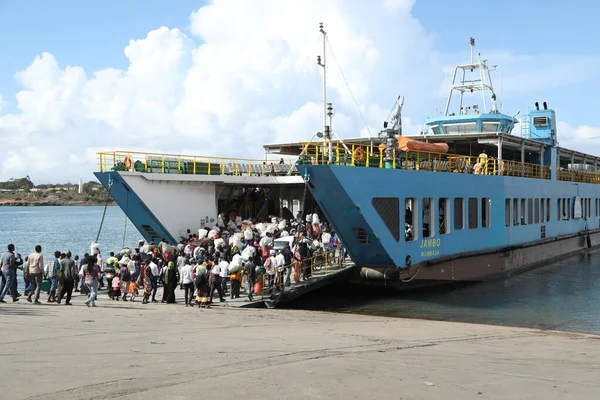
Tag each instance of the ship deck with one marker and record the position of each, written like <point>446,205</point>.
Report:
<point>520,157</point>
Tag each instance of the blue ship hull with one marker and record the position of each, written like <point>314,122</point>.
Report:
<point>351,199</point>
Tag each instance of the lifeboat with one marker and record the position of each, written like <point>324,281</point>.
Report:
<point>407,144</point>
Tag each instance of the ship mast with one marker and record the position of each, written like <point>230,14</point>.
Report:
<point>327,108</point>
<point>481,83</point>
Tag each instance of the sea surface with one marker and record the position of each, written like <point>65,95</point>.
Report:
<point>65,228</point>
<point>564,295</point>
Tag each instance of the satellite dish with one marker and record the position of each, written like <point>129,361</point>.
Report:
<point>320,134</point>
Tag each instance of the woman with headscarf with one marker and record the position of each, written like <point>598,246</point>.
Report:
<point>170,279</point>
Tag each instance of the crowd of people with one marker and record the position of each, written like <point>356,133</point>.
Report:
<point>233,256</point>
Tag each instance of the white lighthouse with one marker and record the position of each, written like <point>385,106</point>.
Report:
<point>80,186</point>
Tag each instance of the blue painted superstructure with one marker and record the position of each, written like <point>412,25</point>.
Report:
<point>489,192</point>
<point>134,207</point>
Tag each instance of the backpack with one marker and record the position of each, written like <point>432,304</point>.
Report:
<point>268,264</point>
<point>126,274</point>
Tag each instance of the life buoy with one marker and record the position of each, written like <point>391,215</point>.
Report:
<point>127,162</point>
<point>359,154</point>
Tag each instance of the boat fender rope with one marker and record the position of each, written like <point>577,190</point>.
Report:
<point>110,184</point>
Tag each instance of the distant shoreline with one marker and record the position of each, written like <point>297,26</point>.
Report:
<point>26,203</point>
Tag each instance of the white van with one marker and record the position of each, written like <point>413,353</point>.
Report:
<point>279,244</point>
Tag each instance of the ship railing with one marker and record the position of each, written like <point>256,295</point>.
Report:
<point>578,176</point>
<point>355,154</point>
<point>321,263</point>
<point>194,165</point>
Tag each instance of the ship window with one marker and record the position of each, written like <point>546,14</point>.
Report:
<point>507,212</point>
<point>458,213</point>
<point>530,211</point>
<point>548,209</point>
<point>536,213</point>
<point>589,207</point>
<point>559,209</point>
<point>515,212</point>
<point>410,219</point>
<point>490,127</point>
<point>565,209</point>
<point>428,220</point>
<point>596,207</point>
<point>361,235</point>
<point>388,209</point>
<point>486,206</point>
<point>542,210</point>
<point>473,216</point>
<point>444,215</point>
<point>523,211</point>
<point>568,210</point>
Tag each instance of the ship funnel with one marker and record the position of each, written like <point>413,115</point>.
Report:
<point>537,105</point>
<point>545,106</point>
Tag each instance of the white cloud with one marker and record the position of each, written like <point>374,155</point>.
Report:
<point>251,79</point>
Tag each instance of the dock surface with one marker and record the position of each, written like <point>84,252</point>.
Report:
<point>167,351</point>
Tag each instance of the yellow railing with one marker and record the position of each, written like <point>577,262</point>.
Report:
<point>189,164</point>
<point>578,176</point>
<point>319,264</point>
<point>353,154</point>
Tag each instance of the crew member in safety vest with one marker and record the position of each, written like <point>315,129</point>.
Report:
<point>483,161</point>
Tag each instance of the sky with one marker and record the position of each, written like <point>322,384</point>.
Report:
<point>222,77</point>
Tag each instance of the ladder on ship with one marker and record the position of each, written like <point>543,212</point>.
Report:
<point>525,127</point>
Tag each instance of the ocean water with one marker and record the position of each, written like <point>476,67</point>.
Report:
<point>65,228</point>
<point>563,295</point>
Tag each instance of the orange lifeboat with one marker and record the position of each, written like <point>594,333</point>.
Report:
<point>407,144</point>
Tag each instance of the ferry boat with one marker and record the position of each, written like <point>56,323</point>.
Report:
<point>466,199</point>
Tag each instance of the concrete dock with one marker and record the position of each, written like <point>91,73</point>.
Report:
<point>124,350</point>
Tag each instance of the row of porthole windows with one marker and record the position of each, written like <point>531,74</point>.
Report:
<point>526,211</point>
<point>436,215</point>
<point>533,211</point>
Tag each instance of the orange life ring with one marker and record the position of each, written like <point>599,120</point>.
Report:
<point>359,154</point>
<point>127,162</point>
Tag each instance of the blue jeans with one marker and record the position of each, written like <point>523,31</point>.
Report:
<point>288,271</point>
<point>11,279</point>
<point>93,285</point>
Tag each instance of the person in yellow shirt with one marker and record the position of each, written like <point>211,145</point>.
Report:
<point>483,160</point>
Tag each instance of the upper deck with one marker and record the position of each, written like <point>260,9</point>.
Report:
<point>521,157</point>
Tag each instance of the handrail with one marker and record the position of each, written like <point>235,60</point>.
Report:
<point>373,157</point>
<point>318,263</point>
<point>189,164</point>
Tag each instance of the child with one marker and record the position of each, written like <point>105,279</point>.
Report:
<point>132,290</point>
<point>116,287</point>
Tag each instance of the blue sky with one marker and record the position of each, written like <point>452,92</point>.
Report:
<point>555,43</point>
<point>93,33</point>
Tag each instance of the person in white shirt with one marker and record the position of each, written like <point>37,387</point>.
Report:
<point>154,278</point>
<point>187,279</point>
<point>216,281</point>
<point>181,260</point>
<point>279,264</point>
<point>224,265</point>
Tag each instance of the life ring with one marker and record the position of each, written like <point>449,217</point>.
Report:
<point>127,162</point>
<point>359,154</point>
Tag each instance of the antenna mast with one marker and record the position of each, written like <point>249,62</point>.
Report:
<point>472,42</point>
<point>322,63</point>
